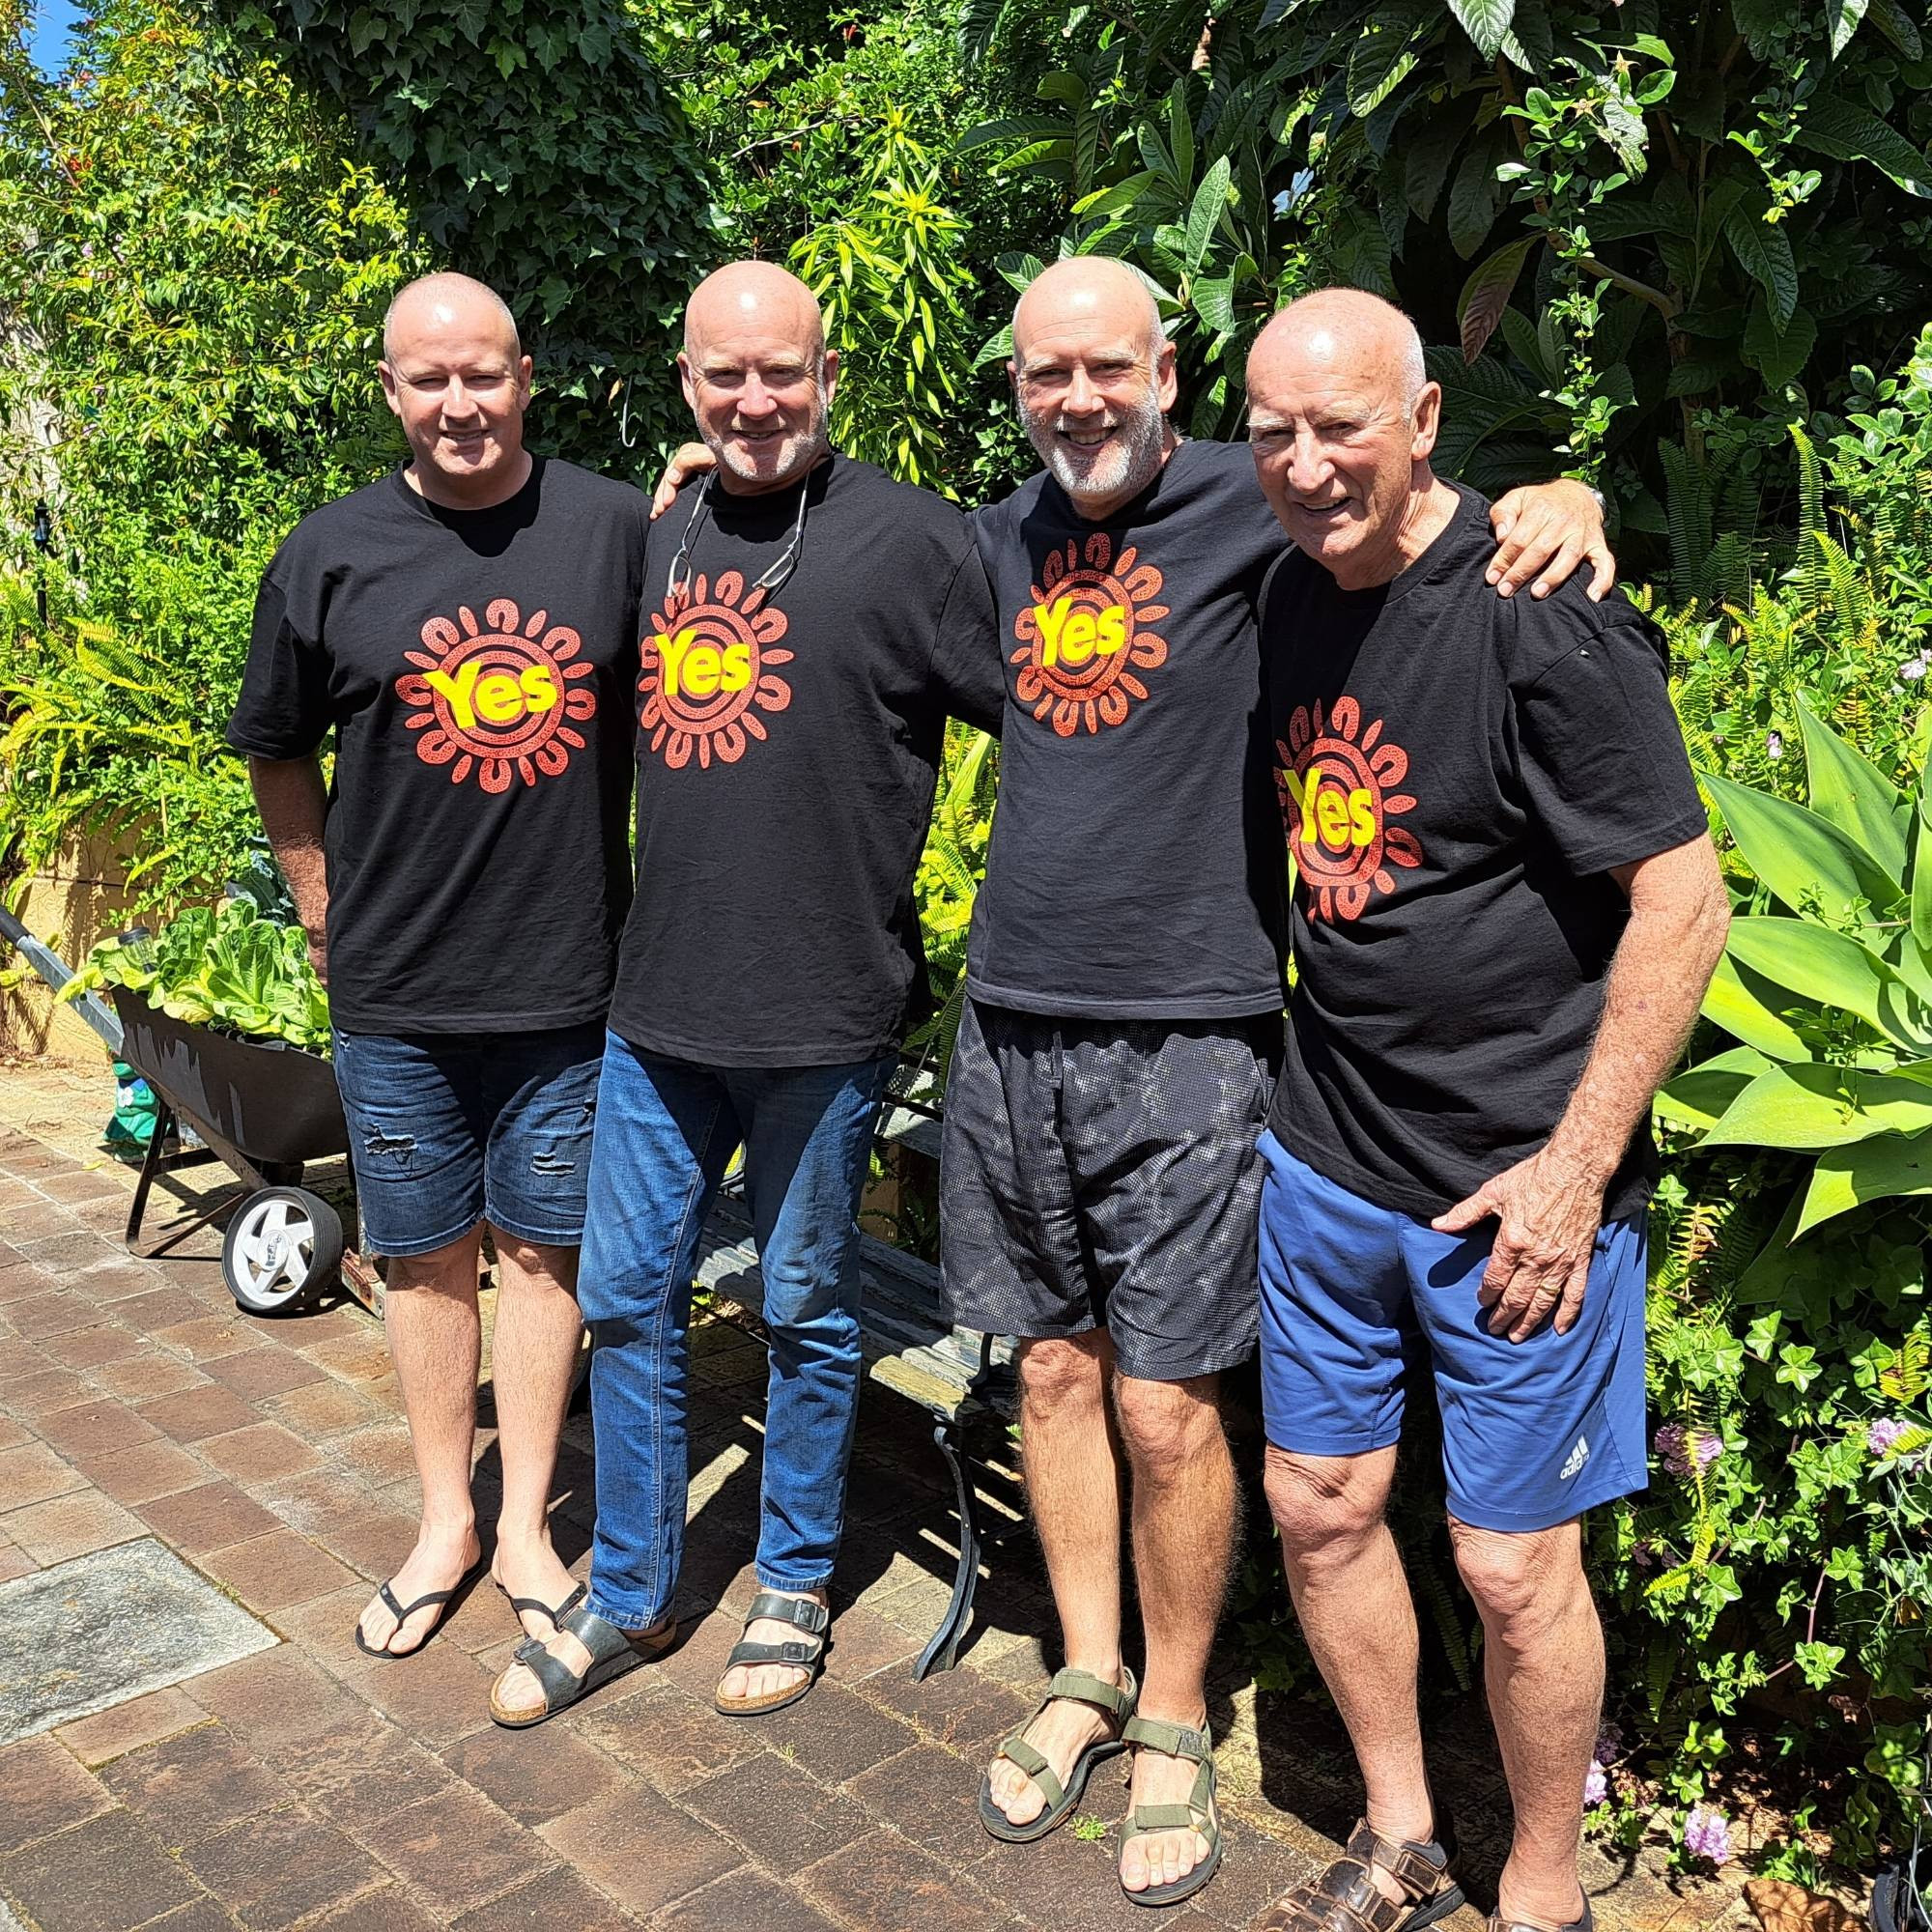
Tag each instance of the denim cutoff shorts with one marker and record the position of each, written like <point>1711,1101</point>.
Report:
<point>448,1130</point>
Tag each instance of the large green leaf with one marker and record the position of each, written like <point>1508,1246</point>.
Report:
<point>1778,356</point>
<point>1818,1106</point>
<point>1700,1094</point>
<point>1380,62</point>
<point>1852,793</point>
<point>1843,17</point>
<point>1488,291</point>
<point>1848,133</point>
<point>1484,21</point>
<point>1806,862</point>
<point>1834,970</point>
<point>1763,250</point>
<point>1921,878</point>
<point>1472,198</point>
<point>1738,1000</point>
<point>1210,199</point>
<point>1878,1170</point>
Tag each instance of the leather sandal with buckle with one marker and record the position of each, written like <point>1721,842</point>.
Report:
<point>1496,1922</point>
<point>1198,1814</point>
<point>1082,1687</point>
<point>806,1652</point>
<point>1345,1897</point>
<point>612,1651</point>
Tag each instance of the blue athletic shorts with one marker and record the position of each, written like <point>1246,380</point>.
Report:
<point>1533,1432</point>
<point>447,1130</point>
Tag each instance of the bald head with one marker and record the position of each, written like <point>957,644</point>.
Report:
<point>436,304</point>
<point>1092,373</point>
<point>456,378</point>
<point>1342,417</point>
<point>1092,292</point>
<point>758,376</point>
<point>756,294</point>
<point>1345,328</point>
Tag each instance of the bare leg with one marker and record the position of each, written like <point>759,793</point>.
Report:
<point>1184,1514</point>
<point>1542,1663</point>
<point>437,1342</point>
<point>1353,1597</point>
<point>538,1330</point>
<point>1072,1480</point>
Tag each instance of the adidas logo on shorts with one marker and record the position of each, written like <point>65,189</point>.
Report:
<point>1577,1458</point>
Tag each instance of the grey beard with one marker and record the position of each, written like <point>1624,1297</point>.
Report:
<point>1131,463</point>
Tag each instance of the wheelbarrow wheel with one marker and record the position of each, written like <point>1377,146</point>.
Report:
<point>283,1247</point>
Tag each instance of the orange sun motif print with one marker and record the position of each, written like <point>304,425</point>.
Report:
<point>1338,792</point>
<point>710,672</point>
<point>501,698</point>
<point>1086,634</point>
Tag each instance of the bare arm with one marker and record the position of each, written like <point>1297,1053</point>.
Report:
<point>1549,1207</point>
<point>294,802</point>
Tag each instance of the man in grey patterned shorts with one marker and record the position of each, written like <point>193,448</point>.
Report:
<point>1100,1180</point>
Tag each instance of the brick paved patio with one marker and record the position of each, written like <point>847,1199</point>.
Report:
<point>310,1786</point>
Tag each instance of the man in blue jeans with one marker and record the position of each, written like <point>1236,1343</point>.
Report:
<point>811,626</point>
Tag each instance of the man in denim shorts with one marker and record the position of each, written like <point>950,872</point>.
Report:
<point>1506,911</point>
<point>466,627</point>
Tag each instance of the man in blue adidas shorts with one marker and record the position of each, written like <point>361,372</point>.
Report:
<point>1506,911</point>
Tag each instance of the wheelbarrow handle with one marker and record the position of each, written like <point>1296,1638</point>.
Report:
<point>56,971</point>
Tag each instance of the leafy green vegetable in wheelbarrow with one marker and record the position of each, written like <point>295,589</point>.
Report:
<point>229,968</point>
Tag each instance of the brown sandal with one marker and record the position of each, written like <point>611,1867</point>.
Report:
<point>1345,1898</point>
<point>1496,1922</point>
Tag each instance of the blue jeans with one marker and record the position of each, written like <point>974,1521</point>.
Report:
<point>666,1131</point>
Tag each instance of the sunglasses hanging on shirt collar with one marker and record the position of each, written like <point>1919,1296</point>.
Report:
<point>772,580</point>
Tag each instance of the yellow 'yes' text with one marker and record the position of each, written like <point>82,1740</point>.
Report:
<point>1335,818</point>
<point>499,699</point>
<point>1071,634</point>
<point>701,671</point>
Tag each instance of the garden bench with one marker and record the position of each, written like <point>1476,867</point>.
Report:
<point>957,1374</point>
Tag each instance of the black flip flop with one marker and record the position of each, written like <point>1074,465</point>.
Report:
<point>402,1614</point>
<point>556,1615</point>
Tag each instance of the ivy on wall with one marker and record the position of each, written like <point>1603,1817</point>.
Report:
<point>540,153</point>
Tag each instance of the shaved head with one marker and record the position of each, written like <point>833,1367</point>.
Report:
<point>440,301</point>
<point>759,293</point>
<point>456,378</point>
<point>1342,419</point>
<point>1091,289</point>
<point>1093,372</point>
<point>758,376</point>
<point>1335,324</point>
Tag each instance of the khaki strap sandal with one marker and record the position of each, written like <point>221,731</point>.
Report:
<point>1198,1814</point>
<point>804,1652</point>
<point>1080,1687</point>
<point>1345,1897</point>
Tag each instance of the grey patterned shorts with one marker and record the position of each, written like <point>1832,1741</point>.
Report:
<point>1104,1174</point>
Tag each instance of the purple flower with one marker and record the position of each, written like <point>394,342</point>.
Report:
<point>1609,1741</point>
<point>1596,1786</point>
<point>1911,669</point>
<point>1684,1450</point>
<point>1643,1553</point>
<point>1707,1834</point>
<point>1774,746</point>
<point>1885,1432</point>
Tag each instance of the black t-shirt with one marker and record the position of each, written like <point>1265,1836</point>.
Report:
<point>1135,864</point>
<point>1458,773</point>
<point>476,667</point>
<point>787,749</point>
